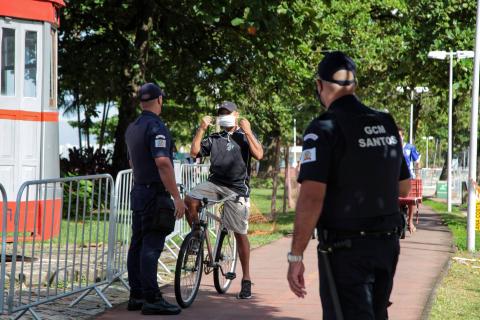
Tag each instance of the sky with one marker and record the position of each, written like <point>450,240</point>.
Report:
<point>68,136</point>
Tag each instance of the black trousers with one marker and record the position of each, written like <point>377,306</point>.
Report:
<point>145,247</point>
<point>363,275</point>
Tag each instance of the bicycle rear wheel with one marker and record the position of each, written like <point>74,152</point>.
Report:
<point>226,258</point>
<point>188,271</point>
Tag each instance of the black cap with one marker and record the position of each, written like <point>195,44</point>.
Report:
<point>150,91</point>
<point>230,106</point>
<point>333,62</point>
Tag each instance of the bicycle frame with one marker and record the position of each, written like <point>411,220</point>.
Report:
<point>203,215</point>
<point>209,262</point>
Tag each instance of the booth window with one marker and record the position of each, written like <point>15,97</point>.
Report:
<point>30,78</point>
<point>53,69</point>
<point>8,62</point>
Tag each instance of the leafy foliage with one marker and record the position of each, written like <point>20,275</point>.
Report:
<point>262,55</point>
<point>86,161</point>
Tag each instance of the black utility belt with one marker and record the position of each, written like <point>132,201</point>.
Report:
<point>358,233</point>
<point>160,188</point>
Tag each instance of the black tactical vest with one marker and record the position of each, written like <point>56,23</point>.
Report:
<point>365,181</point>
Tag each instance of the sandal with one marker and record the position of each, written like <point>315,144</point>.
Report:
<point>412,228</point>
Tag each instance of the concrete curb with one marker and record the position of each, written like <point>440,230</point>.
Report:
<point>431,298</point>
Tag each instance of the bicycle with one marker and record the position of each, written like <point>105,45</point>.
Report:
<point>222,260</point>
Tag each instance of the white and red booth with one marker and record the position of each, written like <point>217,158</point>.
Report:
<point>29,144</point>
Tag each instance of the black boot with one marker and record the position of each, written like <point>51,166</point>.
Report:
<point>160,306</point>
<point>135,304</point>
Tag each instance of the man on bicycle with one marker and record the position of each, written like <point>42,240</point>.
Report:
<point>230,152</point>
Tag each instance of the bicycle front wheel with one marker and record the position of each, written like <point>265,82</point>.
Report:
<point>226,261</point>
<point>188,271</point>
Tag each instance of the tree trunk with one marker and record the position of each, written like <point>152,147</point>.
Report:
<point>133,77</point>
<point>286,186</point>
<point>77,106</point>
<point>273,211</point>
<point>267,164</point>
<point>103,125</point>
<point>87,127</point>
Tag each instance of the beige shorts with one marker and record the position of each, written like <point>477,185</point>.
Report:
<point>235,211</point>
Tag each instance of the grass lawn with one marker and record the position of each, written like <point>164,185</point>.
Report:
<point>458,296</point>
<point>262,233</point>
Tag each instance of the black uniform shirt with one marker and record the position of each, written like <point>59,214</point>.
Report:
<point>357,152</point>
<point>230,160</point>
<point>148,138</point>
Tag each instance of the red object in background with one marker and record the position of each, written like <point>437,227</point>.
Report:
<point>40,219</point>
<point>415,194</point>
<point>36,10</point>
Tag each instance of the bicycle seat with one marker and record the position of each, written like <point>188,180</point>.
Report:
<point>206,201</point>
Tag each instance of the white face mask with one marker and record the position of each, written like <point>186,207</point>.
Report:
<point>226,121</point>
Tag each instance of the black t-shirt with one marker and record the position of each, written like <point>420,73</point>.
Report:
<point>357,152</point>
<point>148,138</point>
<point>230,160</point>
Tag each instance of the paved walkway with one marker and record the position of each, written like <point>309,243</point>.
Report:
<point>423,257</point>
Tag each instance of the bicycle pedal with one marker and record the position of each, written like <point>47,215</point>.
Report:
<point>230,275</point>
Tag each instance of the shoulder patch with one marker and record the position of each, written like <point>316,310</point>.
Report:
<point>160,141</point>
<point>311,136</point>
<point>309,155</point>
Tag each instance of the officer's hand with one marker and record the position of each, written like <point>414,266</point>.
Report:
<point>245,125</point>
<point>295,278</point>
<point>206,121</point>
<point>179,208</point>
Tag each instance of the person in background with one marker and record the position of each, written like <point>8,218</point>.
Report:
<point>412,157</point>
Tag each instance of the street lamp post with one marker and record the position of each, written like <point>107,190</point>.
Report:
<point>426,158</point>
<point>418,90</point>
<point>472,163</point>
<point>442,55</point>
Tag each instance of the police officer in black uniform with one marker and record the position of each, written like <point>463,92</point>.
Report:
<point>150,151</point>
<point>352,173</point>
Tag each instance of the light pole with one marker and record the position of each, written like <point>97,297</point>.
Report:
<point>426,158</point>
<point>437,142</point>
<point>418,90</point>
<point>442,55</point>
<point>472,163</point>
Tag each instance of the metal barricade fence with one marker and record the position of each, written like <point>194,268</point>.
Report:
<point>123,231</point>
<point>459,176</point>
<point>71,253</point>
<point>192,175</point>
<point>71,235</point>
<point>430,176</point>
<point>3,210</point>
<point>123,225</point>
